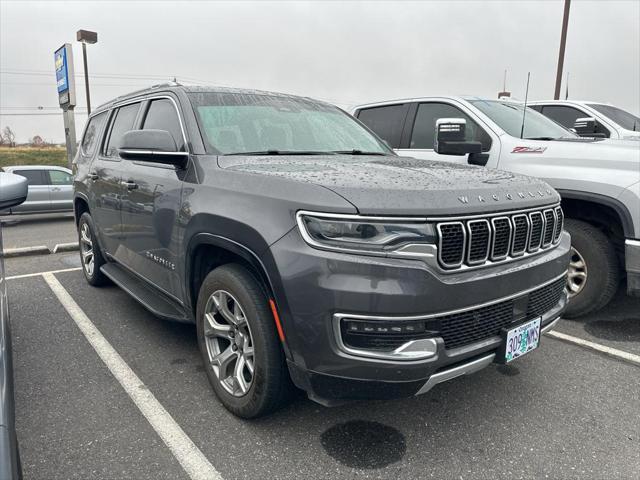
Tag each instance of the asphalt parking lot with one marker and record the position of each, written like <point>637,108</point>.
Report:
<point>565,411</point>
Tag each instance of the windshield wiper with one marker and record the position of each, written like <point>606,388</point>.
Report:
<point>540,138</point>
<point>358,152</point>
<point>282,152</point>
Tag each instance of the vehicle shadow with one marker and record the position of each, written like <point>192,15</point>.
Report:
<point>619,321</point>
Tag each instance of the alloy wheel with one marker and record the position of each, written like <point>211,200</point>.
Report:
<point>229,343</point>
<point>577,274</point>
<point>86,249</point>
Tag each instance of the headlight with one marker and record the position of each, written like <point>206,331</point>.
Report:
<point>363,234</point>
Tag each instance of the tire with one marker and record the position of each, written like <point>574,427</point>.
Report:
<point>593,255</point>
<point>247,395</point>
<point>89,247</point>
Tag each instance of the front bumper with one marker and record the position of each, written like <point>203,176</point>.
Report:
<point>632,266</point>
<point>313,287</point>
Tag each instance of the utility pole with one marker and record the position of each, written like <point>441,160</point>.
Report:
<point>85,36</point>
<point>563,44</point>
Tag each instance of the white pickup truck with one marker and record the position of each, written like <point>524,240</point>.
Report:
<point>599,179</point>
<point>590,119</point>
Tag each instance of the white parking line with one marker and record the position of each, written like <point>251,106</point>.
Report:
<point>184,450</point>
<point>613,352</point>
<point>38,274</point>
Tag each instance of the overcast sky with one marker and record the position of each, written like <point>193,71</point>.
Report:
<point>344,52</point>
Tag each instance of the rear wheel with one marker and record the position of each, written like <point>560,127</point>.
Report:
<point>239,343</point>
<point>90,253</point>
<point>594,274</point>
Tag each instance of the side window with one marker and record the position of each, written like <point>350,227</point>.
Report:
<point>162,115</point>
<point>387,122</point>
<point>424,126</point>
<point>59,177</point>
<point>122,122</point>
<point>567,116</point>
<point>34,177</point>
<point>91,133</point>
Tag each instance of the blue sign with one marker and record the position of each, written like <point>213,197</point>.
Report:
<point>62,70</point>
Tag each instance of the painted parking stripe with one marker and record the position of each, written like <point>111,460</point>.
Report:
<point>613,352</point>
<point>184,450</point>
<point>38,274</point>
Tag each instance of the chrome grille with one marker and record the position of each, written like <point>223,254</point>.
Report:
<point>478,241</point>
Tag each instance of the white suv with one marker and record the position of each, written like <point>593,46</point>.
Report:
<point>606,120</point>
<point>599,179</point>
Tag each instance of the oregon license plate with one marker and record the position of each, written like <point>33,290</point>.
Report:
<point>522,339</point>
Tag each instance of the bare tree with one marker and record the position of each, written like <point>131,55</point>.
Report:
<point>38,141</point>
<point>9,138</point>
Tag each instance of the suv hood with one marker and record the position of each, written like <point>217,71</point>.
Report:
<point>392,185</point>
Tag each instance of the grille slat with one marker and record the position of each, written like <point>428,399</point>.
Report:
<point>537,227</point>
<point>501,237</point>
<point>452,243</point>
<point>549,227</point>
<point>478,241</point>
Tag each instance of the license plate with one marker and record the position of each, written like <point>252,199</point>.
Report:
<point>521,340</point>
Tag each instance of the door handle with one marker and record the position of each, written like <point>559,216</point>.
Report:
<point>92,175</point>
<point>129,184</point>
<point>55,189</point>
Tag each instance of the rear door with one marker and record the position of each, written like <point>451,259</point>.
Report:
<point>151,205</point>
<point>106,190</point>
<point>38,200</point>
<point>60,190</point>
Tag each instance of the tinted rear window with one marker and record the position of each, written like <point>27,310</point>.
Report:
<point>92,132</point>
<point>34,177</point>
<point>387,122</point>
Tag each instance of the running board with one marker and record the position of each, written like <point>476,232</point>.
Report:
<point>464,369</point>
<point>150,298</point>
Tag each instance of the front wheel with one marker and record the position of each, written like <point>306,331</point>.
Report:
<point>594,274</point>
<point>238,341</point>
<point>90,253</point>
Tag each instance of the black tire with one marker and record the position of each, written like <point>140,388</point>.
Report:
<point>94,277</point>
<point>603,271</point>
<point>270,387</point>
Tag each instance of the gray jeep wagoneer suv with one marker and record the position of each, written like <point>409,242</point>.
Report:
<point>306,251</point>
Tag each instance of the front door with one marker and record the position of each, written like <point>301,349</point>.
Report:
<point>151,206</point>
<point>60,190</point>
<point>422,136</point>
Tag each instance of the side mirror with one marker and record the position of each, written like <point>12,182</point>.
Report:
<point>157,146</point>
<point>450,138</point>
<point>585,127</point>
<point>13,190</point>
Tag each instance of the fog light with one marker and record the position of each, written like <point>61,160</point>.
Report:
<point>381,335</point>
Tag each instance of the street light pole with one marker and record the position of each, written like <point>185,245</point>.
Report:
<point>85,36</point>
<point>563,43</point>
<point>86,76</point>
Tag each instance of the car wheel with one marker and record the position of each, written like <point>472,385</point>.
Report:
<point>90,253</point>
<point>238,341</point>
<point>594,274</point>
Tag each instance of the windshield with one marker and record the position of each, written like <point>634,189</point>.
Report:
<point>508,116</point>
<point>619,116</point>
<point>250,123</point>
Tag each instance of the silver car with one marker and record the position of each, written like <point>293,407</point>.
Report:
<point>50,189</point>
